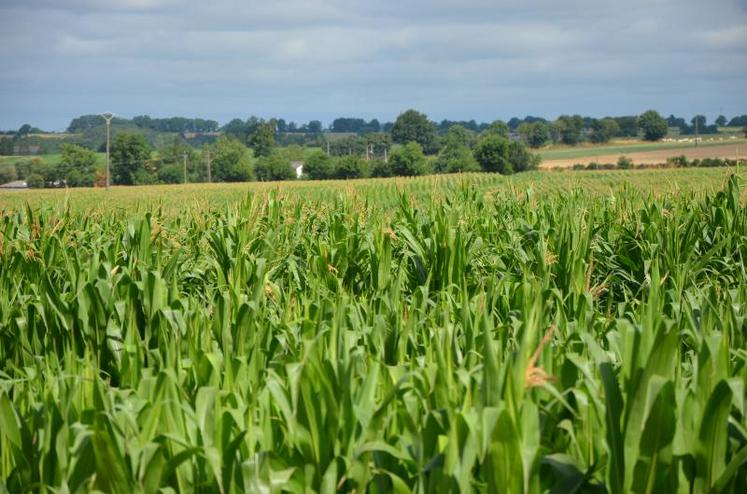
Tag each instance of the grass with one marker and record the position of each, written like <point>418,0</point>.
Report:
<point>547,332</point>
<point>46,158</point>
<point>565,152</point>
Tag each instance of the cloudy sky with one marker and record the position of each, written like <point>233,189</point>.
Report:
<point>306,59</point>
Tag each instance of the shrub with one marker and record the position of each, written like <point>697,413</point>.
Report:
<point>35,181</point>
<point>274,167</point>
<point>624,163</point>
<point>8,172</point>
<point>492,154</point>
<point>678,161</point>
<point>381,168</point>
<point>350,166</point>
<point>319,166</point>
<point>409,160</point>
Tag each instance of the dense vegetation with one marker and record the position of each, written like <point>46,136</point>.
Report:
<point>173,150</point>
<point>351,132</point>
<point>473,340</point>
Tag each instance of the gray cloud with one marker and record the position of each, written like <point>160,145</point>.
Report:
<point>305,59</point>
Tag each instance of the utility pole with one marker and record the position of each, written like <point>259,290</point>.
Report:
<point>386,157</point>
<point>327,148</point>
<point>210,178</point>
<point>185,167</point>
<point>108,116</point>
<point>696,130</point>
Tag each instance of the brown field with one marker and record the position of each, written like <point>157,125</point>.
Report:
<point>731,151</point>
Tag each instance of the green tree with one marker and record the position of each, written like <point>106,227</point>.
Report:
<point>130,154</point>
<point>699,122</point>
<point>319,166</point>
<point>230,160</point>
<point>409,160</point>
<point>277,166</point>
<point>172,163</point>
<point>236,128</point>
<point>520,158</point>
<point>381,168</point>
<point>567,129</point>
<point>455,155</point>
<point>454,159</point>
<point>535,134</point>
<point>262,138</point>
<point>653,125</point>
<point>315,127</point>
<point>24,130</point>
<point>35,181</point>
<point>603,130</point>
<point>6,146</point>
<point>721,121</point>
<point>77,166</point>
<point>351,166</point>
<point>500,128</point>
<point>628,126</point>
<point>413,126</point>
<point>492,154</point>
<point>457,135</point>
<point>379,143</point>
<point>8,173</point>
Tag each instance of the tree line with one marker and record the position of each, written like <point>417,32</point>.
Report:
<point>257,149</point>
<point>412,147</point>
<point>536,132</point>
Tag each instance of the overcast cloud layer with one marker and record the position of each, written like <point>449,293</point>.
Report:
<point>304,59</point>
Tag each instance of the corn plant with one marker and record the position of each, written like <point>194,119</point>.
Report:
<point>463,338</point>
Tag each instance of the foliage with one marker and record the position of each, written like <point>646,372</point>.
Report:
<point>455,157</point>
<point>520,158</point>
<point>474,341</point>
<point>130,155</point>
<point>277,166</point>
<point>176,124</point>
<point>492,154</point>
<point>603,130</point>
<point>408,160</point>
<point>8,173</point>
<point>500,128</point>
<point>262,138</point>
<point>628,126</point>
<point>77,166</point>
<point>230,160</point>
<point>35,181</point>
<point>413,126</point>
<point>567,129</point>
<point>355,125</point>
<point>624,163</point>
<point>381,168</point>
<point>6,146</point>
<point>350,167</point>
<point>652,124</point>
<point>319,166</point>
<point>535,134</point>
<point>171,169</point>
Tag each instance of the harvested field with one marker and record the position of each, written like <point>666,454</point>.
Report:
<point>731,150</point>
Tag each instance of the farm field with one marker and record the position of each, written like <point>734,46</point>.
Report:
<point>378,193</point>
<point>46,158</point>
<point>544,332</point>
<point>643,153</point>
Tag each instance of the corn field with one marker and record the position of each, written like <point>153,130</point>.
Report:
<point>485,341</point>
